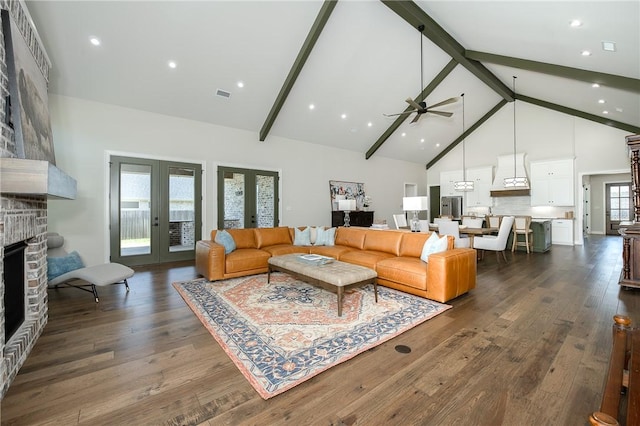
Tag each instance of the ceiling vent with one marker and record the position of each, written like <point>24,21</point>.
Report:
<point>223,93</point>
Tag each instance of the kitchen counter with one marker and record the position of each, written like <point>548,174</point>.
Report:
<point>541,228</point>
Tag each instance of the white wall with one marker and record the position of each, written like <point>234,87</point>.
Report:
<point>542,134</point>
<point>84,132</point>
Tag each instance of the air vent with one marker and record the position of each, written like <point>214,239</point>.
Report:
<point>223,93</point>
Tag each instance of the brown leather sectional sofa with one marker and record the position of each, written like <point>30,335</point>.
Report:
<point>394,255</point>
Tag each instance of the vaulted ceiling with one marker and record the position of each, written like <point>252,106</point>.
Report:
<point>354,61</point>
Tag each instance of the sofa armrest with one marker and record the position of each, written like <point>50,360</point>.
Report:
<point>210,260</point>
<point>451,273</point>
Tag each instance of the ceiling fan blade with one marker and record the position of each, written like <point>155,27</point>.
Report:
<point>400,113</point>
<point>442,113</point>
<point>445,102</point>
<point>416,118</point>
<point>413,103</point>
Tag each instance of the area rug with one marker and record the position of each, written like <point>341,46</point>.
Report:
<point>283,333</point>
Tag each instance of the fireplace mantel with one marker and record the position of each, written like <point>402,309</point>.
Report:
<point>31,177</point>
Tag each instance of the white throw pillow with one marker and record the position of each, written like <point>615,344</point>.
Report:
<point>434,244</point>
<point>313,234</point>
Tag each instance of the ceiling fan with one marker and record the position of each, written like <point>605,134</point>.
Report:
<point>421,107</point>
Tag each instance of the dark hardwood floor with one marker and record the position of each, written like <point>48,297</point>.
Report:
<point>529,346</point>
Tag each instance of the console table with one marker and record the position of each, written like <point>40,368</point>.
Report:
<point>358,218</point>
<point>630,275</point>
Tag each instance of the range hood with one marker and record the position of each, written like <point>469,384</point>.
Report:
<point>504,170</point>
<point>35,177</point>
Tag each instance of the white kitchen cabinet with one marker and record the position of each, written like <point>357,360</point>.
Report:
<point>552,183</point>
<point>447,181</point>
<point>482,180</point>
<point>562,231</point>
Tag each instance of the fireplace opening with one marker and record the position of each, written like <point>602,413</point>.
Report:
<point>14,288</point>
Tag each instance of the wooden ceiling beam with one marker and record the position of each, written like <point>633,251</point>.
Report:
<point>604,79</point>
<point>298,64</point>
<point>415,16</point>
<point>581,114</point>
<point>467,132</point>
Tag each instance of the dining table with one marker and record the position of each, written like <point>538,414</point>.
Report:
<point>469,231</point>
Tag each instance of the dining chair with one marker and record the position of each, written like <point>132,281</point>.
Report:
<point>522,226</point>
<point>472,222</point>
<point>493,221</point>
<point>401,221</point>
<point>497,243</point>
<point>439,220</point>
<point>452,228</point>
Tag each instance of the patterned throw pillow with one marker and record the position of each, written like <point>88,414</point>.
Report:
<point>224,238</point>
<point>57,266</point>
<point>325,237</point>
<point>302,238</point>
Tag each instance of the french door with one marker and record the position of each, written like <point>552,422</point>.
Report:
<point>247,198</point>
<point>155,209</point>
<point>619,206</point>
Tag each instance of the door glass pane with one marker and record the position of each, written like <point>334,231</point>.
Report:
<point>624,203</point>
<point>135,212</point>
<point>615,191</point>
<point>181,209</point>
<point>625,215</point>
<point>615,203</point>
<point>265,193</point>
<point>234,208</point>
<point>615,214</point>
<point>624,191</point>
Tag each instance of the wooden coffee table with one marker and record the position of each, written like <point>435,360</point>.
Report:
<point>335,276</point>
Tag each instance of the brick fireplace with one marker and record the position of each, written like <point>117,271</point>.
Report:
<point>23,218</point>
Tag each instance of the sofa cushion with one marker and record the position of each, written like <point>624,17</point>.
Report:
<point>244,238</point>
<point>412,243</point>
<point>282,249</point>
<point>351,237</point>
<point>246,260</point>
<point>325,237</point>
<point>367,258</point>
<point>383,241</point>
<point>410,271</point>
<point>272,236</point>
<point>302,237</point>
<point>226,240</point>
<point>331,251</point>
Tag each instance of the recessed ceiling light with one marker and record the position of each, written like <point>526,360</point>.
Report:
<point>172,64</point>
<point>403,134</point>
<point>609,46</point>
<point>595,85</point>
<point>240,84</point>
<point>605,112</point>
<point>312,106</point>
<point>619,109</point>
<point>437,145</point>
<point>422,140</point>
<point>601,101</point>
<point>95,41</point>
<point>585,53</point>
<point>369,124</point>
<point>343,116</point>
<point>575,23</point>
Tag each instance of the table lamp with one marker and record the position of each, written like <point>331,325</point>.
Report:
<point>346,206</point>
<point>415,205</point>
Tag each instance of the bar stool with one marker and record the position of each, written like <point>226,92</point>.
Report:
<point>522,226</point>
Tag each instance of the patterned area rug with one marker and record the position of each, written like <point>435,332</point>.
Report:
<point>286,332</point>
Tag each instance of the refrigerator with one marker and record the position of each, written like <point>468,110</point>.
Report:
<point>451,206</point>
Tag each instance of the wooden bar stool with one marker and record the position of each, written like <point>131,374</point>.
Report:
<point>522,226</point>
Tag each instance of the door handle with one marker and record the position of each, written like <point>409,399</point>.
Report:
<point>155,222</point>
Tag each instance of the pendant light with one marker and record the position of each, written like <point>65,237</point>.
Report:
<point>515,181</point>
<point>463,185</point>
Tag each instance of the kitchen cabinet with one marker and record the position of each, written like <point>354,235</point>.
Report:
<point>482,180</point>
<point>562,231</point>
<point>447,182</point>
<point>552,183</point>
